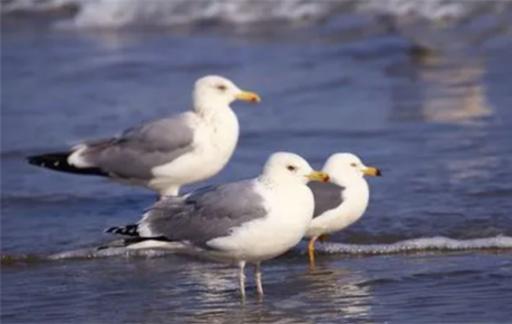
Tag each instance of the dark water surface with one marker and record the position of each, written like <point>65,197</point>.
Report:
<point>428,103</point>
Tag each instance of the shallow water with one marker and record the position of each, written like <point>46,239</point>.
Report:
<point>427,101</point>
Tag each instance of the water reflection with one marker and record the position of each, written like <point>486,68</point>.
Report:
<point>293,292</point>
<point>441,87</point>
<point>336,293</point>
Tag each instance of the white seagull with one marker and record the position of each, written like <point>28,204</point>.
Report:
<point>248,221</point>
<point>342,201</point>
<point>168,153</point>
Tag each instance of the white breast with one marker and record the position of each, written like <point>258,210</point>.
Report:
<point>215,139</point>
<point>355,201</point>
<point>290,212</point>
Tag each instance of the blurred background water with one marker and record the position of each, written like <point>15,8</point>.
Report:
<point>420,89</point>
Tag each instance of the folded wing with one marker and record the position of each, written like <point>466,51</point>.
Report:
<point>327,196</point>
<point>137,151</point>
<point>201,216</point>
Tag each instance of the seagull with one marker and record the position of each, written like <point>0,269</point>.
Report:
<point>342,201</point>
<point>248,221</point>
<point>165,154</point>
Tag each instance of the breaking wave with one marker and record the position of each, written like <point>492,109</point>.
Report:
<point>426,244</point>
<point>164,13</point>
<point>418,245</point>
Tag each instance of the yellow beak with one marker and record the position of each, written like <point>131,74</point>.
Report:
<point>318,176</point>
<point>248,96</point>
<point>372,171</point>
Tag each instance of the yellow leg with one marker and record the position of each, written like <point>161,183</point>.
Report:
<point>311,250</point>
<point>324,237</point>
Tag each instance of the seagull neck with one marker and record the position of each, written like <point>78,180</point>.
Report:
<point>266,180</point>
<point>356,190</point>
<point>270,181</point>
<point>347,179</point>
<point>209,113</point>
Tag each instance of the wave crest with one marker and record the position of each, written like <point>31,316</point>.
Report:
<point>164,13</point>
<point>425,244</point>
<point>418,245</point>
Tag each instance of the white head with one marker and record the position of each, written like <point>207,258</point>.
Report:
<point>284,166</point>
<point>212,91</point>
<point>343,166</point>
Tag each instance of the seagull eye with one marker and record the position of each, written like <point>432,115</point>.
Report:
<point>353,165</point>
<point>291,168</point>
<point>222,87</point>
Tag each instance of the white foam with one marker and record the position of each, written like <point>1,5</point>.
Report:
<point>437,243</point>
<point>431,9</point>
<point>92,253</point>
<point>122,13</point>
<point>165,13</point>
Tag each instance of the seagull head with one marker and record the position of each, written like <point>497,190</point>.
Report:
<point>284,166</point>
<point>345,165</point>
<point>215,91</point>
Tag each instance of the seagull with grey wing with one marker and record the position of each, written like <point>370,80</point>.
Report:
<point>342,201</point>
<point>168,153</point>
<point>249,221</point>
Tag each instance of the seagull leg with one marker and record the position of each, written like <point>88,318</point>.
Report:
<point>257,276</point>
<point>323,238</point>
<point>241,277</point>
<point>311,251</point>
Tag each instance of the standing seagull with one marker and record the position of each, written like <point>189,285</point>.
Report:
<point>342,201</point>
<point>246,221</point>
<point>168,153</point>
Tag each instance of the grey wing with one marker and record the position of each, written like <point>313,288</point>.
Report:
<point>136,151</point>
<point>327,196</point>
<point>205,214</point>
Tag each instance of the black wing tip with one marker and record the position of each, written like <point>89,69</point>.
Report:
<point>39,160</point>
<point>128,230</point>
<point>111,230</point>
<point>47,159</point>
<point>33,159</point>
<point>59,162</point>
